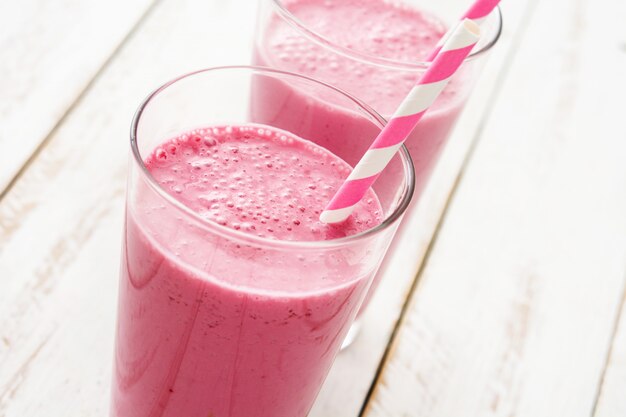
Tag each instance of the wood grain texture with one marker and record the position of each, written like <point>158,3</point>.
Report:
<point>612,398</point>
<point>516,306</point>
<point>61,222</point>
<point>50,52</point>
<point>353,374</point>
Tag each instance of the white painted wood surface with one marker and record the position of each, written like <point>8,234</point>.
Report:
<point>475,336</point>
<point>354,372</point>
<point>49,52</point>
<point>612,399</point>
<point>61,223</point>
<point>517,304</point>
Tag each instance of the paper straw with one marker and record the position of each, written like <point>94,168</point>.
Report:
<point>477,12</point>
<point>403,121</point>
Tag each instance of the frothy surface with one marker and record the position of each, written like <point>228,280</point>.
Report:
<point>378,28</point>
<point>259,180</point>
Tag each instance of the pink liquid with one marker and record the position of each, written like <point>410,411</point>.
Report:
<point>374,29</point>
<point>245,331</point>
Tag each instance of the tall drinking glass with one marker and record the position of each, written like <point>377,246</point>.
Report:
<point>213,320</point>
<point>374,50</point>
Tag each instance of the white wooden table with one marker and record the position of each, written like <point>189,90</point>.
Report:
<point>506,297</point>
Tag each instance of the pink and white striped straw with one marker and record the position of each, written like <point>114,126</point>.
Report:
<point>478,12</point>
<point>402,123</point>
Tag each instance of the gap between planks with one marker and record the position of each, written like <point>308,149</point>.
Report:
<point>474,143</point>
<point>565,105</point>
<point>55,200</point>
<point>619,325</point>
<point>77,100</point>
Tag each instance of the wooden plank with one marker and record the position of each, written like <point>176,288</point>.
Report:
<point>61,222</point>
<point>516,306</point>
<point>50,53</point>
<point>612,399</point>
<point>353,373</point>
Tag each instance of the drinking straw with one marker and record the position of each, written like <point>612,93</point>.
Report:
<point>477,12</point>
<point>390,139</point>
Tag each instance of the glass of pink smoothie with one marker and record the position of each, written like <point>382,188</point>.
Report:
<point>234,299</point>
<point>374,50</point>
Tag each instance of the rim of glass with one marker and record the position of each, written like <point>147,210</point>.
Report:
<point>407,163</point>
<point>372,59</point>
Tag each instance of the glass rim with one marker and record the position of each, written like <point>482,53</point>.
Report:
<point>229,233</point>
<point>372,59</point>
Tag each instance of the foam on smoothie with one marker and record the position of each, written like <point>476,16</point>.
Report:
<point>377,28</point>
<point>262,181</point>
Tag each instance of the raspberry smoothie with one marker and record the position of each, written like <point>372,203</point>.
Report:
<point>213,326</point>
<point>369,30</point>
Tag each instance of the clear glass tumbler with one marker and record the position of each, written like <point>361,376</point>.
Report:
<point>213,321</point>
<point>299,36</point>
<point>354,45</point>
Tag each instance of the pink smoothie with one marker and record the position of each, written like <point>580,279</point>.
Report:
<point>372,29</point>
<point>369,29</point>
<point>212,326</point>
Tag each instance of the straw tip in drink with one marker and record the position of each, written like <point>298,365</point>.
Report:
<point>336,216</point>
<point>327,217</point>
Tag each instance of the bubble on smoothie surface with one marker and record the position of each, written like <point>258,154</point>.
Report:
<point>378,28</point>
<point>258,180</point>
